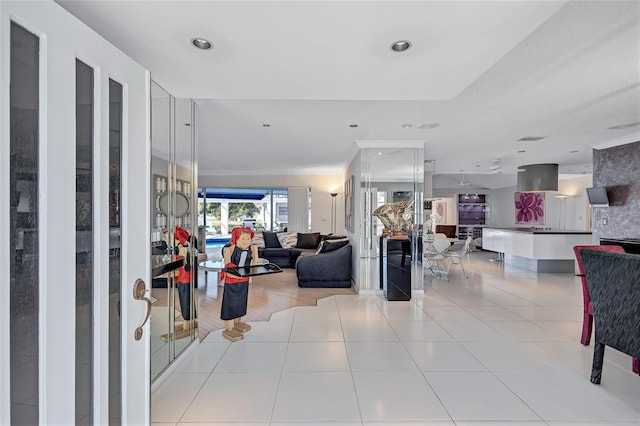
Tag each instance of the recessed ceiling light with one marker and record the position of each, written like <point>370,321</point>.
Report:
<point>531,138</point>
<point>407,126</point>
<point>266,125</point>
<point>353,125</point>
<point>573,151</point>
<point>201,43</point>
<point>522,151</point>
<point>379,152</point>
<point>477,165</point>
<point>624,126</point>
<point>400,45</point>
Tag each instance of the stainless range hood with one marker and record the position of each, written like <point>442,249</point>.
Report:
<point>538,177</point>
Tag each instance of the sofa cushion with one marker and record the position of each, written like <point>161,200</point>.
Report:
<point>287,239</point>
<point>271,239</point>
<point>325,270</point>
<point>284,258</point>
<point>327,246</point>
<point>308,240</point>
<point>307,252</point>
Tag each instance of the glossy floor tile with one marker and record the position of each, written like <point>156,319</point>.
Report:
<point>500,348</point>
<point>327,396</point>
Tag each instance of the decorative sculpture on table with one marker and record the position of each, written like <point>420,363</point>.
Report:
<point>396,217</point>
<point>434,220</point>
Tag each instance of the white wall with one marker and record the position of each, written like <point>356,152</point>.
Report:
<point>502,207</point>
<point>321,188</point>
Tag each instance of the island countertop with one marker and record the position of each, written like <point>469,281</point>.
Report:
<point>541,230</point>
<point>535,248</point>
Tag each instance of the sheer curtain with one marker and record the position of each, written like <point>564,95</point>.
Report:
<point>298,209</point>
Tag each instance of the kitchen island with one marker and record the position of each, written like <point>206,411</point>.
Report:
<point>535,249</point>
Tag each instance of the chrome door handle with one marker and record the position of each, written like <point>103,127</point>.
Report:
<point>139,291</point>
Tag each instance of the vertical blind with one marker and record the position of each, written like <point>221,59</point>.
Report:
<point>298,209</point>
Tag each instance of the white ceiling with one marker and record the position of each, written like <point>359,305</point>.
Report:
<point>480,75</point>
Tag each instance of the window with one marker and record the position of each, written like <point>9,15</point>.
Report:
<point>222,209</point>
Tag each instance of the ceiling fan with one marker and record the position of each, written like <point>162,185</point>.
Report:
<point>463,182</point>
<point>494,169</point>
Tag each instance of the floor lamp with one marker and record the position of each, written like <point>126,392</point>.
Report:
<point>333,212</point>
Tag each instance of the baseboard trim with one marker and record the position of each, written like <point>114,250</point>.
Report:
<point>366,292</point>
<point>174,365</point>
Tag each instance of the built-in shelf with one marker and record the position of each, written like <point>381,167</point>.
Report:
<point>472,215</point>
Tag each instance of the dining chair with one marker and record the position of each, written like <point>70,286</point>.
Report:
<point>587,317</point>
<point>456,256</point>
<point>436,259</point>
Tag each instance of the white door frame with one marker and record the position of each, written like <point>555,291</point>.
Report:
<point>63,39</point>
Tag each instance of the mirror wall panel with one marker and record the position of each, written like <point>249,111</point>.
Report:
<point>390,172</point>
<point>173,166</point>
<point>184,217</point>
<point>161,286</point>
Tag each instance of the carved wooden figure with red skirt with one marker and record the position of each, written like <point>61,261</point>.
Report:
<point>236,289</point>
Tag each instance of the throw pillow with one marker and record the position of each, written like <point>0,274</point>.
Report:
<point>327,246</point>
<point>287,239</point>
<point>308,241</point>
<point>333,237</point>
<point>271,240</point>
<point>258,240</point>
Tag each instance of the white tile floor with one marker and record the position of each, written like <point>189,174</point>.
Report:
<point>501,348</point>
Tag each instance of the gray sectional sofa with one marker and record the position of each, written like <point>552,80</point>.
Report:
<point>319,260</point>
<point>330,269</point>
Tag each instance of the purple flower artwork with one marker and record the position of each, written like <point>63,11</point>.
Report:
<point>529,208</point>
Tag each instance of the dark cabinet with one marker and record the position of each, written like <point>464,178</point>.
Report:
<point>395,268</point>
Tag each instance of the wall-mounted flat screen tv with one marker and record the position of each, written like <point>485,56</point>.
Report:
<point>598,196</point>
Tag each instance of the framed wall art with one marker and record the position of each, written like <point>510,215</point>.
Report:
<point>529,208</point>
<point>441,210</point>
<point>348,205</point>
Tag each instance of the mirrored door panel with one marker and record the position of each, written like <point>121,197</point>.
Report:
<point>24,259</point>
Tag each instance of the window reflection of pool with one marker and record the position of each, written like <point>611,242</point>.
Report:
<point>218,241</point>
